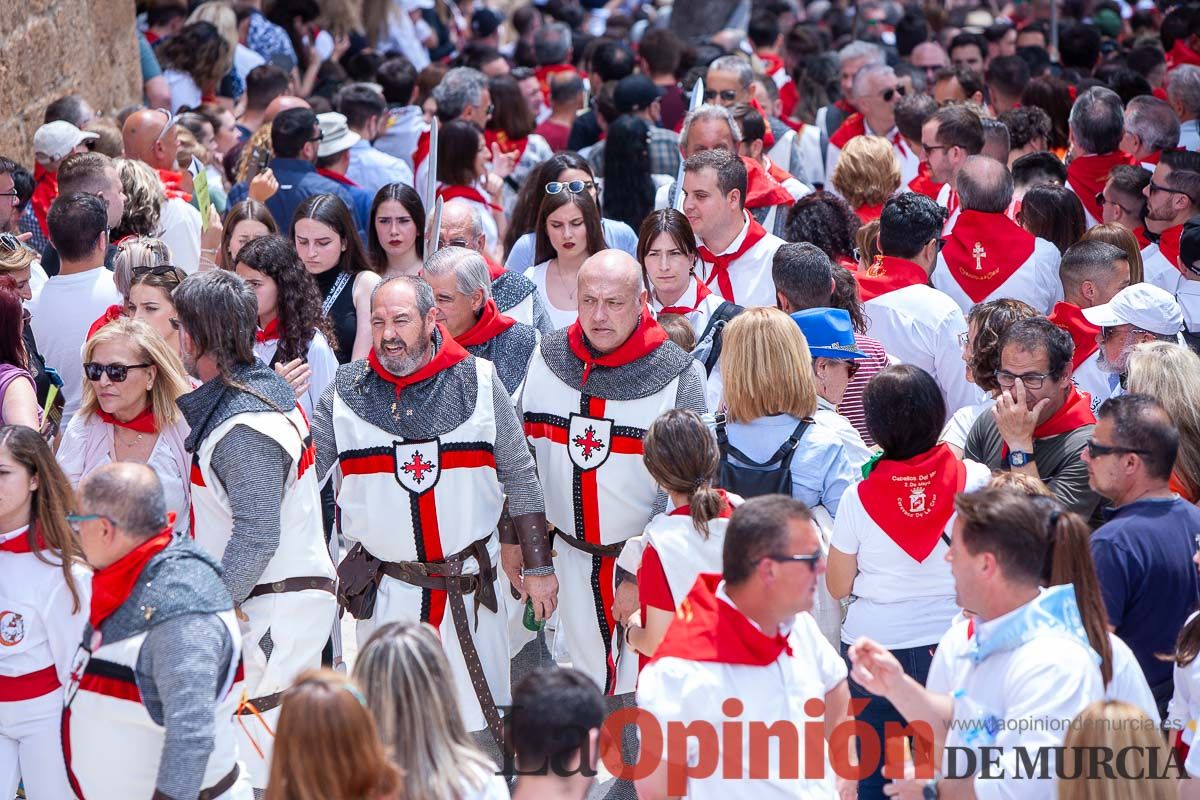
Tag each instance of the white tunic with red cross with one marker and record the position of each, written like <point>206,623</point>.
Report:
<point>112,745</point>
<point>589,461</point>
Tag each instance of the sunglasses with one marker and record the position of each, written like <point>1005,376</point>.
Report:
<point>11,243</point>
<point>1158,187</point>
<point>888,94</point>
<point>160,270</point>
<point>1096,450</point>
<point>852,366</point>
<point>728,95</point>
<point>452,243</point>
<point>117,373</point>
<point>167,127</point>
<point>574,187</point>
<point>811,559</point>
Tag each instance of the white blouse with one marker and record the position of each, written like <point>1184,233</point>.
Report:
<point>321,361</point>
<point>559,317</point>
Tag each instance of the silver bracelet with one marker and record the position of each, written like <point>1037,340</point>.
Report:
<point>538,572</point>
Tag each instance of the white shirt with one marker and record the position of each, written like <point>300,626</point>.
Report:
<point>749,275</point>
<point>1188,297</point>
<point>677,690</point>
<point>559,317</point>
<point>1184,708</point>
<point>1189,138</point>
<point>899,602</point>
<point>960,422</point>
<point>1093,380</point>
<point>1156,269</point>
<point>703,312</point>
<point>373,169</point>
<point>66,308</point>
<point>184,91</point>
<point>321,361</point>
<point>245,59</point>
<point>179,226</point>
<point>1035,282</point>
<point>920,326</point>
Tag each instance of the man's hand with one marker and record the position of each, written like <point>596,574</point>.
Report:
<point>875,668</point>
<point>263,186</point>
<point>503,163</point>
<point>847,788</point>
<point>512,562</point>
<point>907,788</point>
<point>1015,420</point>
<point>544,591</point>
<point>297,373</point>
<point>625,602</point>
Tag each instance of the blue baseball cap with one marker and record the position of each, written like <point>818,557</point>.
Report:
<point>828,332</point>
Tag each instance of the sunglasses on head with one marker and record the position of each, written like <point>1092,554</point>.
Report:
<point>167,127</point>
<point>11,243</point>
<point>728,95</point>
<point>161,270</point>
<point>574,187</point>
<point>117,373</point>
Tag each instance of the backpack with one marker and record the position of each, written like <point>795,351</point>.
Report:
<point>708,349</point>
<point>752,478</point>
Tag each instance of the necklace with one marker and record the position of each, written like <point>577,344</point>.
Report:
<point>562,280</point>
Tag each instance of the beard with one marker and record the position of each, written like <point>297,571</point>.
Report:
<point>1111,367</point>
<point>408,360</point>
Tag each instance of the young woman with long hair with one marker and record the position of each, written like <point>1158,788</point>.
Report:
<point>149,299</point>
<point>291,336</point>
<point>463,173</point>
<point>326,747</point>
<point>406,681</point>
<point>247,220</point>
<point>44,591</point>
<point>1170,373</point>
<point>681,455</point>
<point>327,240</point>
<point>132,379</point>
<point>18,394</point>
<point>396,235</point>
<point>568,233</point>
<point>628,185</point>
<point>510,129</point>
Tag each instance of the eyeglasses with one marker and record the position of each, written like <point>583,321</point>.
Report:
<point>1107,331</point>
<point>574,187</point>
<point>167,127</point>
<point>75,520</point>
<point>929,147</point>
<point>13,194</point>
<point>117,373</point>
<point>452,243</point>
<point>1102,201</point>
<point>1096,450</point>
<point>1158,187</point>
<point>1031,380</point>
<point>320,137</point>
<point>888,94</point>
<point>728,95</point>
<point>811,559</point>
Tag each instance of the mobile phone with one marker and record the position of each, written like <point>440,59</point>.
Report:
<point>260,159</point>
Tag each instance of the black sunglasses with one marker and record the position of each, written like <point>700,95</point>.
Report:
<point>888,94</point>
<point>452,243</point>
<point>1095,450</point>
<point>161,269</point>
<point>811,560</point>
<point>117,373</point>
<point>728,95</point>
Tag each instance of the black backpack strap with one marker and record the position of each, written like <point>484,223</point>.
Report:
<point>782,456</point>
<point>715,327</point>
<point>787,450</point>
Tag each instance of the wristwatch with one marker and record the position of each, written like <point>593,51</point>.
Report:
<point>1019,458</point>
<point>930,791</point>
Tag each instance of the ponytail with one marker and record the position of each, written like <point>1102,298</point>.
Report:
<point>681,455</point>
<point>1188,646</point>
<point>706,504</point>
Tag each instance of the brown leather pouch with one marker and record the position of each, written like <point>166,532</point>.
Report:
<point>358,582</point>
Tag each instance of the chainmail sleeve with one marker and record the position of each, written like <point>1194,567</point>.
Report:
<point>323,437</point>
<point>690,393</point>
<point>514,462</point>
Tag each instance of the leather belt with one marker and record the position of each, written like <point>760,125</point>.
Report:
<point>260,704</point>
<point>293,585</point>
<point>447,576</point>
<point>220,787</point>
<point>602,550</point>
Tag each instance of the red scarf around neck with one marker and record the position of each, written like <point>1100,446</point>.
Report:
<point>645,339</point>
<point>763,191</point>
<point>448,193</point>
<point>494,269</point>
<point>449,354</point>
<point>142,423</point>
<point>547,72</point>
<point>112,585</point>
<point>269,333</point>
<point>1086,175</point>
<point>887,274</point>
<point>1139,233</point>
<point>771,63</point>
<point>721,263</point>
<point>45,189</point>
<point>702,292</point>
<point>20,544</point>
<point>336,177</point>
<point>422,150</point>
<point>506,145</point>
<point>1074,414</point>
<point>1168,245</point>
<point>1069,317</point>
<point>869,213</point>
<point>913,500</point>
<point>725,513</point>
<point>852,126</point>
<point>778,173</point>
<point>984,250</point>
<point>1181,54</point>
<point>708,629</point>
<point>491,323</point>
<point>173,185</point>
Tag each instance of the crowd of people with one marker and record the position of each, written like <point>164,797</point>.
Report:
<point>433,399</point>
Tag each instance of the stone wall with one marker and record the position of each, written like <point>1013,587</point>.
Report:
<point>49,48</point>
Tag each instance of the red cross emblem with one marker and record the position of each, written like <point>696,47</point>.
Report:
<point>417,466</point>
<point>588,442</point>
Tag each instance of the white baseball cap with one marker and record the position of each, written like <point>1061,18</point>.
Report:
<point>336,135</point>
<point>55,140</point>
<point>1142,305</point>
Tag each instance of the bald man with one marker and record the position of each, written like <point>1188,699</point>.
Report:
<point>591,392</point>
<point>515,295</point>
<point>987,256</point>
<point>424,445</point>
<point>151,136</point>
<point>283,103</point>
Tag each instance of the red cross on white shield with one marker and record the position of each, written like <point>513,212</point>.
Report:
<point>418,465</point>
<point>589,441</point>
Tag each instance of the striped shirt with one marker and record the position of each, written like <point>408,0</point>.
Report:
<point>851,406</point>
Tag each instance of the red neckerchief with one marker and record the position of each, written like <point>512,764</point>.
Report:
<point>269,333</point>
<point>491,323</point>
<point>725,513</point>
<point>913,500</point>
<point>984,250</point>
<point>112,585</point>
<point>544,73</point>
<point>1086,175</point>
<point>1152,158</point>
<point>1069,317</point>
<point>1168,245</point>
<point>494,269</point>
<point>1139,233</point>
<point>771,63</point>
<point>768,135</point>
<point>142,423</point>
<point>173,184</point>
<point>1074,414</point>
<point>702,292</point>
<point>708,629</point>
<point>111,314</point>
<point>721,263</point>
<point>761,189</point>
<point>777,173</point>
<point>45,189</point>
<point>924,183</point>
<point>848,263</point>
<point>789,96</point>
<point>645,339</point>
<point>506,145</point>
<point>867,213</point>
<point>448,193</point>
<point>422,151</point>
<point>20,544</point>
<point>1181,54</point>
<point>843,105</point>
<point>887,274</point>
<point>854,125</point>
<point>336,177</point>
<point>449,354</point>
